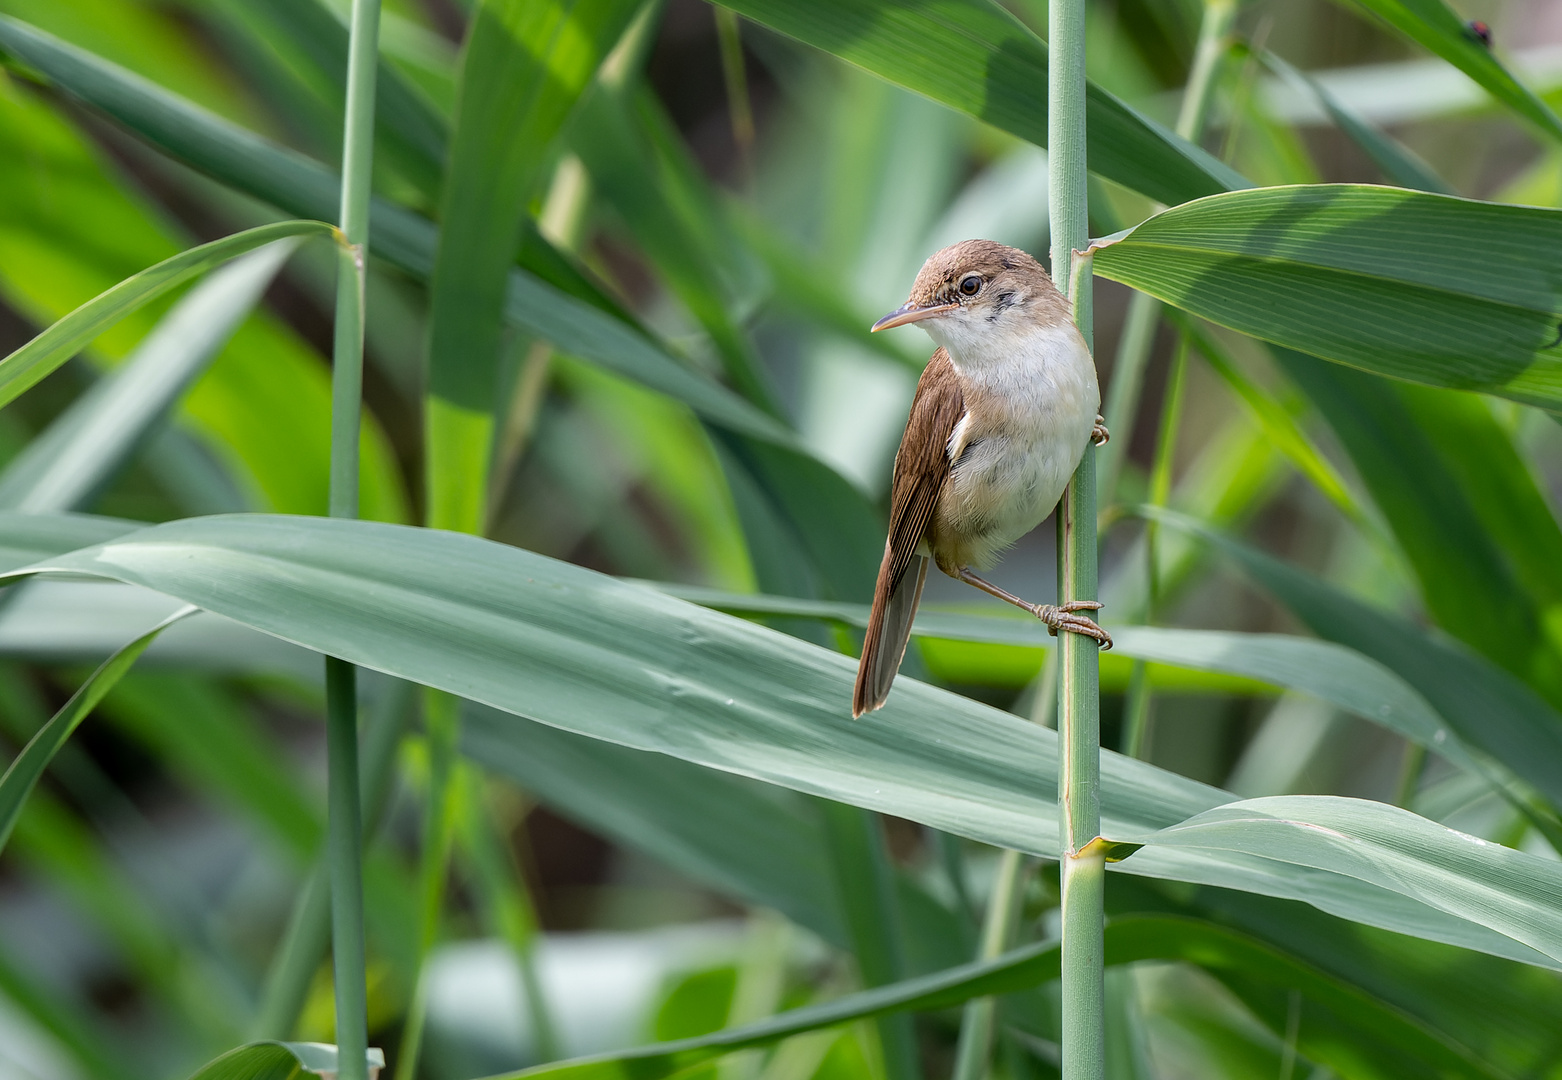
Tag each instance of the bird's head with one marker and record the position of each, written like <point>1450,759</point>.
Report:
<point>979,291</point>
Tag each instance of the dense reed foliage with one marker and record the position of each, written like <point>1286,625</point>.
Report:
<point>590,566</point>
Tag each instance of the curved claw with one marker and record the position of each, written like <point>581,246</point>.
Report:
<point>1063,618</point>
<point>1099,435</point>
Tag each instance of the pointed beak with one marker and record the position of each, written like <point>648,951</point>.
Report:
<point>910,313</point>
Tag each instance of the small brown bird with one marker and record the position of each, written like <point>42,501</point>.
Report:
<point>1000,420</point>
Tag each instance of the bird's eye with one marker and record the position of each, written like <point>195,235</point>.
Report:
<point>971,284</point>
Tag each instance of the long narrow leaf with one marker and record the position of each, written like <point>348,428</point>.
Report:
<point>1512,891</point>
<point>524,67</point>
<point>1435,26</point>
<point>24,773</point>
<point>559,308</point>
<point>974,56</point>
<point>279,1061</point>
<point>1484,705</point>
<point>87,443</point>
<point>1372,1029</point>
<point>571,648</point>
<point>1373,278</point>
<point>66,338</point>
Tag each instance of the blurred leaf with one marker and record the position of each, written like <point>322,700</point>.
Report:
<point>71,230</point>
<point>524,67</point>
<point>637,162</point>
<point>1396,161</point>
<point>1346,1025</point>
<point>1277,422</point>
<point>63,466</point>
<point>1510,891</point>
<point>550,306</point>
<point>976,57</point>
<point>411,133</point>
<point>1484,705</point>
<point>211,739</point>
<point>90,1045</point>
<point>23,774</point>
<point>1436,27</point>
<point>1378,279</point>
<point>279,1061</point>
<point>27,538</point>
<point>1343,1025</point>
<point>1015,970</point>
<point>1468,515</point>
<point>571,648</point>
<point>66,338</point>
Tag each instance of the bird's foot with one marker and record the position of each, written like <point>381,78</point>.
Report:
<point>1064,617</point>
<point>1099,435</point>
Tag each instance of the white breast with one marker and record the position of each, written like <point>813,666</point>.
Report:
<point>1031,400</point>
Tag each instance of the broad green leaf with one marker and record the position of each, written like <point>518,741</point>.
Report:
<point>1333,673</point>
<point>66,338</point>
<point>279,1061</point>
<point>524,66</point>
<point>1379,279</point>
<point>1484,705</point>
<point>1511,891</point>
<point>753,842</point>
<point>1438,28</point>
<point>977,58</point>
<point>63,466</point>
<point>564,646</point>
<point>1468,515</point>
<point>22,776</point>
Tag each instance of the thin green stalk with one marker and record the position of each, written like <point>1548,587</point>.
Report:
<point>344,829</point>
<point>974,1050</point>
<point>1144,311</point>
<point>1083,1040</point>
<point>441,720</point>
<point>344,833</point>
<point>1138,710</point>
<point>308,931</point>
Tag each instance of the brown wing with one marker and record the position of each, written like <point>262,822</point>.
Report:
<point>921,467</point>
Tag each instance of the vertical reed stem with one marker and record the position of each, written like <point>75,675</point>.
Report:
<point>1079,714</point>
<point>345,829</point>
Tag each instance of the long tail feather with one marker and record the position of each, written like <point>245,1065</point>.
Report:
<point>889,628</point>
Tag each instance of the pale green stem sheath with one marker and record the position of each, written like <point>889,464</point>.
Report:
<point>974,1050</point>
<point>1079,694</point>
<point>1144,311</point>
<point>344,829</point>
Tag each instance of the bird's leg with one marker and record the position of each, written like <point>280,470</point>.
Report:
<point>1056,616</point>
<point>1099,434</point>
